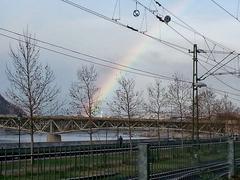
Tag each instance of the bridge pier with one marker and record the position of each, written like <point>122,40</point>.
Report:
<point>53,137</point>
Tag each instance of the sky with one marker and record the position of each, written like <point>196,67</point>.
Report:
<point>59,23</point>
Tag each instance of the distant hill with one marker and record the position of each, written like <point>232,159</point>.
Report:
<point>6,108</point>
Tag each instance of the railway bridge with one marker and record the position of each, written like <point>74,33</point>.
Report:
<point>60,124</point>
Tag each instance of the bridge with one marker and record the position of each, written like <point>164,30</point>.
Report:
<point>60,124</point>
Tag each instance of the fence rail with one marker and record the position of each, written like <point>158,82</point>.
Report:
<point>119,162</point>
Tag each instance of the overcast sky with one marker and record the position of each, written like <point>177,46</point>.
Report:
<point>59,23</point>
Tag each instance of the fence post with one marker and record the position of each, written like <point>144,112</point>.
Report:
<point>231,158</point>
<point>143,164</point>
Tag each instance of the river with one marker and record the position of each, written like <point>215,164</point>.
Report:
<point>12,136</point>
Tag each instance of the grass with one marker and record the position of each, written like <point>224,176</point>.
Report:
<point>169,159</point>
<point>120,165</point>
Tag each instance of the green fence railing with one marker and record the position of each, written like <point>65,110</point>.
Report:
<point>113,161</point>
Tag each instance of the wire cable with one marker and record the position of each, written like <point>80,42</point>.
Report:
<point>229,86</point>
<point>152,75</point>
<point>157,16</point>
<point>224,65</point>
<point>224,9</point>
<point>81,53</point>
<point>222,94</point>
<point>222,91</point>
<point>169,44</point>
<point>207,73</point>
<point>190,28</point>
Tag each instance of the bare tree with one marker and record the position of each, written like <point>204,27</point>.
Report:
<point>207,101</point>
<point>156,101</point>
<point>179,97</point>
<point>32,86</point>
<point>126,102</point>
<point>226,105</point>
<point>84,94</point>
<point>226,112</point>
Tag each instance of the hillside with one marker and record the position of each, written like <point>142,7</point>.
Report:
<point>6,108</point>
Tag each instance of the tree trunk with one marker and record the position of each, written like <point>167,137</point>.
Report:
<point>181,131</point>
<point>91,131</point>
<point>32,138</point>
<point>158,128</point>
<point>130,136</point>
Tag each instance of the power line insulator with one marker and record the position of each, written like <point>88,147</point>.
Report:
<point>167,19</point>
<point>136,13</point>
<point>159,18</point>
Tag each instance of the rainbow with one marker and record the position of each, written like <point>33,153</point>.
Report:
<point>133,54</point>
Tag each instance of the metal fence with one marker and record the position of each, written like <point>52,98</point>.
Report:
<point>188,160</point>
<point>78,162</point>
<point>114,162</point>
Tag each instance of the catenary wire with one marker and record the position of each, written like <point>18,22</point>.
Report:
<point>224,9</point>
<point>229,86</point>
<point>121,24</point>
<point>190,28</point>
<point>84,54</point>
<point>208,72</point>
<point>96,63</point>
<point>172,45</point>
<point>225,92</point>
<point>91,61</point>
<point>211,53</point>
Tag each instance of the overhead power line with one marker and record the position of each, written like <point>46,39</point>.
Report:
<point>103,65</point>
<point>156,14</point>
<point>224,9</point>
<point>214,68</point>
<point>83,54</point>
<point>225,92</point>
<point>135,70</point>
<point>59,52</point>
<point>171,45</point>
<point>221,81</point>
<point>190,28</point>
<point>230,97</point>
<point>85,60</point>
<point>206,39</point>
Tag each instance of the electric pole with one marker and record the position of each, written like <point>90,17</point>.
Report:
<point>195,110</point>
